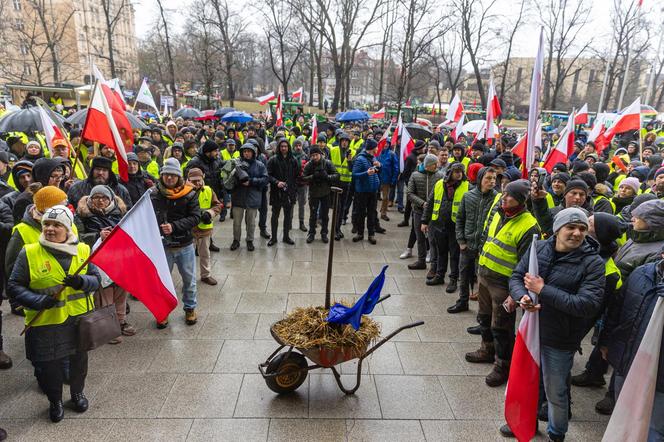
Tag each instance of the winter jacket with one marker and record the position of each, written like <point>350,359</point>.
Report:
<point>641,248</point>
<point>286,169</point>
<point>389,170</point>
<point>50,342</point>
<point>635,307</point>
<point>320,176</point>
<point>365,183</point>
<point>410,166</point>
<point>249,197</point>
<point>138,184</point>
<point>211,167</point>
<point>16,242</point>
<point>6,225</point>
<point>81,188</point>
<point>545,216</point>
<point>90,223</point>
<point>420,186</point>
<point>472,215</point>
<point>183,213</point>
<point>573,293</point>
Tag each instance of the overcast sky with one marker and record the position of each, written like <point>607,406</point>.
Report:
<point>526,38</point>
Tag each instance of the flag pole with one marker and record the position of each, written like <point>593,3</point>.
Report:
<point>640,138</point>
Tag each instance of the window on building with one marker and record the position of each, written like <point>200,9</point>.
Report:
<point>27,70</point>
<point>353,75</point>
<point>355,90</point>
<point>19,25</point>
<point>17,5</point>
<point>24,49</point>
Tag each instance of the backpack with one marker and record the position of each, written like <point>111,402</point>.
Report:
<point>227,174</point>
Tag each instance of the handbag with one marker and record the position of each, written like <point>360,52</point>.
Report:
<point>97,327</point>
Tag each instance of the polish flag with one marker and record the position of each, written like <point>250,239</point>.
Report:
<point>51,131</point>
<point>100,126</point>
<point>265,98</point>
<point>297,95</point>
<point>601,140</point>
<point>458,129</point>
<point>314,130</point>
<point>630,420</point>
<point>564,148</point>
<point>383,141</point>
<point>582,115</point>
<point>519,150</point>
<point>135,243</point>
<point>118,111</point>
<point>455,110</point>
<point>379,115</point>
<point>397,131</point>
<point>493,111</point>
<point>598,126</point>
<point>522,393</point>
<point>279,112</point>
<point>407,145</point>
<point>629,119</point>
<point>534,106</point>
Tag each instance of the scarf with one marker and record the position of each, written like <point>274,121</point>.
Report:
<point>105,211</point>
<point>174,193</point>
<point>70,246</point>
<point>512,212</point>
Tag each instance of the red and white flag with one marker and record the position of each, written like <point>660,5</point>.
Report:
<point>100,126</point>
<point>493,111</point>
<point>279,112</point>
<point>582,115</point>
<point>522,393</point>
<point>51,131</point>
<point>133,257</point>
<point>383,141</point>
<point>534,106</point>
<point>455,110</point>
<point>397,131</point>
<point>314,130</point>
<point>563,148</point>
<point>265,98</point>
<point>379,115</point>
<point>458,129</point>
<point>629,119</point>
<point>630,420</point>
<point>407,146</point>
<point>297,95</point>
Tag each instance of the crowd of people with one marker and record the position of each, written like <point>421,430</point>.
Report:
<point>597,222</point>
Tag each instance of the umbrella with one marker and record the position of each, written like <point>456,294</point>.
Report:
<point>223,111</point>
<point>187,112</point>
<point>24,120</point>
<point>78,119</point>
<point>476,125</point>
<point>237,117</point>
<point>207,115</point>
<point>352,115</point>
<point>418,131</point>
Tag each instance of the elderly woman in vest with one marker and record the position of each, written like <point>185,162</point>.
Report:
<point>96,215</point>
<point>44,281</point>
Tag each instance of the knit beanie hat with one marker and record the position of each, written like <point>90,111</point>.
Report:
<point>473,171</point>
<point>576,184</point>
<point>172,167</point>
<point>518,190</point>
<point>560,167</point>
<point>195,172</point>
<point>314,150</point>
<point>659,172</point>
<point>579,166</point>
<point>131,156</point>
<point>568,216</point>
<point>652,212</point>
<point>60,214</point>
<point>209,146</point>
<point>608,227</point>
<point>429,160</point>
<point>48,196</point>
<point>632,183</point>
<point>562,176</point>
<point>102,190</point>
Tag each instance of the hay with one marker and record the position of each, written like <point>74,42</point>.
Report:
<point>306,327</point>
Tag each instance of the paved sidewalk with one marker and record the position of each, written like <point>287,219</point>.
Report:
<point>202,383</point>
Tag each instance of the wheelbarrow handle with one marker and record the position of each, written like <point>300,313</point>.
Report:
<point>390,336</point>
<point>383,298</point>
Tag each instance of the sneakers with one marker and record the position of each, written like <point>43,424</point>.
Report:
<point>289,241</point>
<point>250,246</point>
<point>163,324</point>
<point>436,280</point>
<point>585,379</point>
<point>80,402</point>
<point>190,316</point>
<point>485,353</point>
<point>310,238</point>
<point>452,286</point>
<point>303,227</point>
<point>271,242</point>
<point>209,280</point>
<point>499,374</point>
<point>417,265</point>
<point>372,240</point>
<point>460,306</point>
<point>127,329</point>
<point>5,361</point>
<point>605,406</point>
<point>408,253</point>
<point>235,245</point>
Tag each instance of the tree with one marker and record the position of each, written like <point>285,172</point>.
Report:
<point>389,19</point>
<point>231,27</point>
<point>169,55</point>
<point>449,60</point>
<point>111,18</point>
<point>509,40</point>
<point>200,39</point>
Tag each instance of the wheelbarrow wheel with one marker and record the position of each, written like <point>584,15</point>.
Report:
<point>294,367</point>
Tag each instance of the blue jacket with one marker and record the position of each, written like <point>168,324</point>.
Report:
<point>389,170</point>
<point>628,325</point>
<point>363,181</point>
<point>249,197</point>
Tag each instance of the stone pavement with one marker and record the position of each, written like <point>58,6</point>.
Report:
<point>202,383</point>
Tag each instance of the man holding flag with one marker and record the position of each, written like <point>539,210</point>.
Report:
<point>569,291</point>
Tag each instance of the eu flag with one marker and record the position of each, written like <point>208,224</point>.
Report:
<point>341,314</point>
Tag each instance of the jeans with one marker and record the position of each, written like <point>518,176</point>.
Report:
<point>366,209</point>
<point>316,204</point>
<point>185,259</point>
<point>656,433</point>
<point>238,213</point>
<point>556,368</point>
<point>400,185</point>
<point>301,202</point>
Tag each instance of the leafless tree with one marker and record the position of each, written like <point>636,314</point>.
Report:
<point>388,20</point>
<point>200,40</point>
<point>113,12</point>
<point>169,52</point>
<point>231,28</point>
<point>449,59</point>
<point>514,25</point>
<point>474,19</point>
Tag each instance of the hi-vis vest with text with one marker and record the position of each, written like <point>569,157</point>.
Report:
<point>205,201</point>
<point>46,276</point>
<point>438,190</point>
<point>500,249</point>
<point>341,164</point>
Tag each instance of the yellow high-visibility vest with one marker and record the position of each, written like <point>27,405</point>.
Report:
<point>225,155</point>
<point>438,190</point>
<point>341,164</point>
<point>500,249</point>
<point>205,201</point>
<point>610,267</point>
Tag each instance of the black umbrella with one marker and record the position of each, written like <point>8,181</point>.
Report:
<point>418,131</point>
<point>223,111</point>
<point>187,112</point>
<point>78,119</point>
<point>24,120</point>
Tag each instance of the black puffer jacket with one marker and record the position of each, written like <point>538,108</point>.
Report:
<point>81,188</point>
<point>250,196</point>
<point>634,309</point>
<point>138,184</point>
<point>641,248</point>
<point>573,291</point>
<point>320,177</point>
<point>286,169</point>
<point>211,167</point>
<point>473,212</point>
<point>183,214</point>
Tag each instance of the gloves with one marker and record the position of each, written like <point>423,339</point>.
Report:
<point>46,302</point>
<point>206,218</point>
<point>73,281</point>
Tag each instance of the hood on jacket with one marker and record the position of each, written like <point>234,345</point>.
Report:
<point>84,211</point>
<point>28,219</point>
<point>455,166</point>
<point>43,168</point>
<point>18,167</point>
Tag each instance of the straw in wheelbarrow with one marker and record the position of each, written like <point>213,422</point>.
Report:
<point>307,327</point>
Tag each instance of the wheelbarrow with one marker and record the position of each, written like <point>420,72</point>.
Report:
<point>285,371</point>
